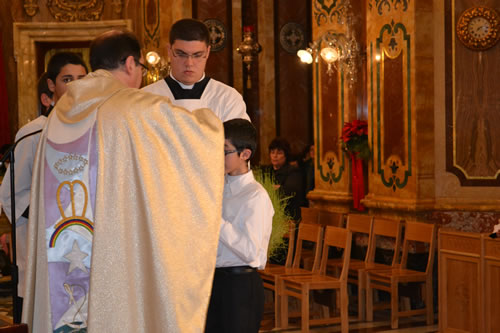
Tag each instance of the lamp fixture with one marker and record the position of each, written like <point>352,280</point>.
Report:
<point>337,50</point>
<point>248,49</point>
<point>157,67</point>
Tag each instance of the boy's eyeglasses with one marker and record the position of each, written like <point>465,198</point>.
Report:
<point>198,56</point>
<point>227,152</point>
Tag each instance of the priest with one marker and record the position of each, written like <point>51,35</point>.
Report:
<point>126,205</point>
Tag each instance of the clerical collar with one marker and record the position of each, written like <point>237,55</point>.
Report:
<point>182,91</point>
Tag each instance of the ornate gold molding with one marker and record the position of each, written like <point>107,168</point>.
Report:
<point>117,6</point>
<point>71,10</point>
<point>30,7</point>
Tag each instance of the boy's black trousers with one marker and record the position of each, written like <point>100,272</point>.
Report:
<point>237,301</point>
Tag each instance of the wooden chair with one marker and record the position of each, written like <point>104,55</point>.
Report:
<point>291,246</point>
<point>359,225</point>
<point>331,218</point>
<point>307,232</point>
<point>389,279</point>
<point>299,286</point>
<point>309,215</point>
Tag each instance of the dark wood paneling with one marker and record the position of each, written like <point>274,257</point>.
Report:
<point>393,114</point>
<point>293,78</point>
<point>220,63</point>
<point>472,105</point>
<point>331,111</point>
<point>251,95</point>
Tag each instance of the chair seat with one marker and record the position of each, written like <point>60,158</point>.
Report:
<point>283,271</point>
<point>402,274</point>
<point>315,281</point>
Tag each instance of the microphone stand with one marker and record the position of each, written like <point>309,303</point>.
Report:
<point>9,155</point>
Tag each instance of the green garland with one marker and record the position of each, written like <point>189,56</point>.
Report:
<point>281,220</point>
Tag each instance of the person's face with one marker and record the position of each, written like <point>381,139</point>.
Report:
<point>235,162</point>
<point>278,158</point>
<point>67,74</point>
<point>188,60</point>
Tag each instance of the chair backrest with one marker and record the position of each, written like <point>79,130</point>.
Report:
<point>312,233</point>
<point>309,215</point>
<point>386,228</point>
<point>331,218</point>
<point>339,238</point>
<point>291,244</point>
<point>361,224</point>
<point>423,233</point>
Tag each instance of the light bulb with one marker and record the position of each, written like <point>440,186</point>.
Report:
<point>305,56</point>
<point>152,58</point>
<point>329,54</point>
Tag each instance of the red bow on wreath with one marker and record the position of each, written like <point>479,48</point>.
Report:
<point>355,143</point>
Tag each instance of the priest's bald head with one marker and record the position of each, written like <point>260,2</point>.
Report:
<point>118,52</point>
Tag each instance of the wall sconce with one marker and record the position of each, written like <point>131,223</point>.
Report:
<point>158,68</point>
<point>248,49</point>
<point>337,50</point>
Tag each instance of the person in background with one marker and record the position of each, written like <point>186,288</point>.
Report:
<point>237,300</point>
<point>288,178</point>
<point>187,85</point>
<point>63,68</point>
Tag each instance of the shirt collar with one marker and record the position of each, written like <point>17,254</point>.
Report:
<point>236,183</point>
<point>185,86</point>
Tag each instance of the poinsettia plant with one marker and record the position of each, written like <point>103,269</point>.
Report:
<point>355,139</point>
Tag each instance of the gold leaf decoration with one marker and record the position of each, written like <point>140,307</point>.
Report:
<point>76,10</point>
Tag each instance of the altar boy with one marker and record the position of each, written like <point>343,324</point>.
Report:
<point>237,300</point>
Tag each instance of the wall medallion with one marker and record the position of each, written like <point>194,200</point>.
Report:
<point>217,34</point>
<point>292,37</point>
<point>76,10</point>
<point>30,7</point>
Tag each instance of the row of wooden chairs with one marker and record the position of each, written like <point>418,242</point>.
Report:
<point>367,274</point>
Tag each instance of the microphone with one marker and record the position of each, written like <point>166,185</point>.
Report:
<point>494,235</point>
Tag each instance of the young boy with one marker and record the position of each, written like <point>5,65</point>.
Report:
<point>237,299</point>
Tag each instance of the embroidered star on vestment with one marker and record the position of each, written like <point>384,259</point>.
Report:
<point>75,257</point>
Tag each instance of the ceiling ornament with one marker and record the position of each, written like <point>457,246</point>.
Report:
<point>30,7</point>
<point>76,10</point>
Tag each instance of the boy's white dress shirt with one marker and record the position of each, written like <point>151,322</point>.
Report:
<point>247,218</point>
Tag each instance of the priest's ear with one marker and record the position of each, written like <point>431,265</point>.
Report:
<point>130,65</point>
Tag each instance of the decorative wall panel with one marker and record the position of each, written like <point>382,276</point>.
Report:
<point>472,105</point>
<point>330,159</point>
<point>151,20</point>
<point>70,10</point>
<point>293,79</point>
<point>219,65</point>
<point>393,110</point>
